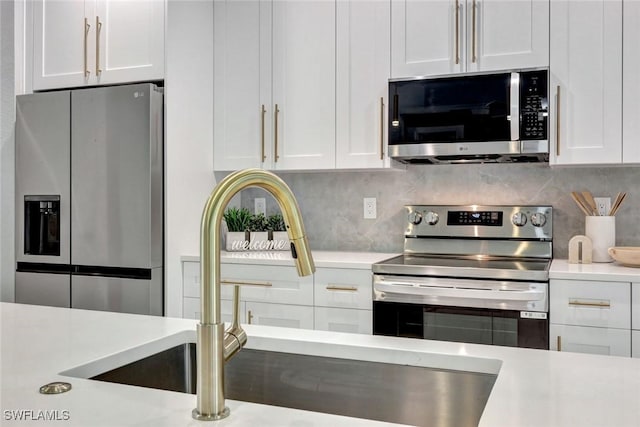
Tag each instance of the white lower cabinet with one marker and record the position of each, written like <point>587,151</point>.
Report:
<point>344,320</point>
<point>333,299</point>
<point>635,343</point>
<point>590,317</point>
<point>584,339</point>
<point>283,315</point>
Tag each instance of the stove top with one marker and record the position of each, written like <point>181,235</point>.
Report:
<point>498,268</point>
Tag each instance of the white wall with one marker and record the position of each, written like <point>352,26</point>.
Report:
<point>7,119</point>
<point>189,135</point>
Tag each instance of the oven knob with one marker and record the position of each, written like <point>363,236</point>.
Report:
<point>538,219</point>
<point>519,219</point>
<point>415,218</point>
<point>431,218</point>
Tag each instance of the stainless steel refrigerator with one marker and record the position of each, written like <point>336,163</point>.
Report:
<point>89,199</point>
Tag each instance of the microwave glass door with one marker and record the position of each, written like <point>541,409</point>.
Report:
<point>457,109</point>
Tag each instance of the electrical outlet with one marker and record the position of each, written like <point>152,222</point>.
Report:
<point>603,205</point>
<point>370,208</point>
<point>260,206</point>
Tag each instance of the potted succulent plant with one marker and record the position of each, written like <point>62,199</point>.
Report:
<point>259,236</point>
<point>238,222</point>
<point>277,232</point>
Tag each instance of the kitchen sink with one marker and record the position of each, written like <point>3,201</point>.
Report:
<point>372,390</point>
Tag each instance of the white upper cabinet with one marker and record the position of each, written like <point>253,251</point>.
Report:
<point>304,82</point>
<point>274,84</point>
<point>430,37</point>
<point>99,42</point>
<point>241,132</point>
<point>586,82</point>
<point>362,72</point>
<point>631,83</point>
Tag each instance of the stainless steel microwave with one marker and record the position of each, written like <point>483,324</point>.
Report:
<point>497,117</point>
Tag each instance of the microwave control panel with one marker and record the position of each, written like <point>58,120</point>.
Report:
<point>534,105</point>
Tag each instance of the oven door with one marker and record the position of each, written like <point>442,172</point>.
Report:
<point>490,312</point>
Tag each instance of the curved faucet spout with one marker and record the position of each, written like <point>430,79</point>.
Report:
<point>214,345</point>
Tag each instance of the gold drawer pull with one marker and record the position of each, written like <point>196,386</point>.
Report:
<point>341,288</point>
<point>246,283</point>
<point>559,343</point>
<point>600,304</point>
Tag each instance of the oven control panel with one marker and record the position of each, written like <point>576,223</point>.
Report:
<point>488,218</point>
<point>504,222</point>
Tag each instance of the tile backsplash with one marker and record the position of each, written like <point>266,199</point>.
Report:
<point>332,202</point>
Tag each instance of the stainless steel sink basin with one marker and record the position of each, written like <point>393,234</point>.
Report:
<point>371,390</point>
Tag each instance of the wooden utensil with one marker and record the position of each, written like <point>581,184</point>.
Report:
<point>616,206</point>
<point>581,204</point>
<point>588,197</point>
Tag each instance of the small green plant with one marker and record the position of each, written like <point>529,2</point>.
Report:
<point>258,222</point>
<point>275,222</point>
<point>237,219</point>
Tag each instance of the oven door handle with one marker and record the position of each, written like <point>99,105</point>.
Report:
<point>505,295</point>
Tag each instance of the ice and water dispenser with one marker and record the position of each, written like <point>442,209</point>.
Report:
<point>42,225</point>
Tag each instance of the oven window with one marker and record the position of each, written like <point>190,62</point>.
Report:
<point>469,328</point>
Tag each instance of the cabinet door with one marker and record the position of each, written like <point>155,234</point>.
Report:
<point>586,81</point>
<point>631,83</point>
<point>129,44</point>
<point>635,305</point>
<point>427,37</point>
<point>343,288</point>
<point>590,303</point>
<point>191,310</point>
<point>635,343</point>
<point>507,34</point>
<point>583,339</point>
<point>304,84</point>
<point>267,283</point>
<point>288,316</point>
<point>344,320</point>
<point>61,43</point>
<point>241,131</point>
<point>362,64</point>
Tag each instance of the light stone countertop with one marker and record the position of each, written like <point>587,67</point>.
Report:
<point>601,271</point>
<point>323,259</point>
<point>533,387</point>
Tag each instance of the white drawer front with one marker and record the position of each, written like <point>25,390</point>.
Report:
<point>288,316</point>
<point>278,284</point>
<point>191,279</point>
<point>191,310</point>
<point>635,306</point>
<point>343,288</point>
<point>590,303</point>
<point>344,320</point>
<point>583,339</point>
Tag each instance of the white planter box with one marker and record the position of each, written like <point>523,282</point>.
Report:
<point>257,241</point>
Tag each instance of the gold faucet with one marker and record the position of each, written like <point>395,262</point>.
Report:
<point>215,345</point>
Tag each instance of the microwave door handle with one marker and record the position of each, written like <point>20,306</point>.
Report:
<point>515,106</point>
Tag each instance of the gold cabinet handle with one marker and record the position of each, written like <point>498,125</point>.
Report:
<point>457,31</point>
<point>249,317</point>
<point>558,120</point>
<point>381,128</point>
<point>262,114</point>
<point>275,133</point>
<point>559,343</point>
<point>87,26</point>
<point>331,287</point>
<point>98,28</point>
<point>246,283</point>
<point>473,31</point>
<point>599,304</point>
